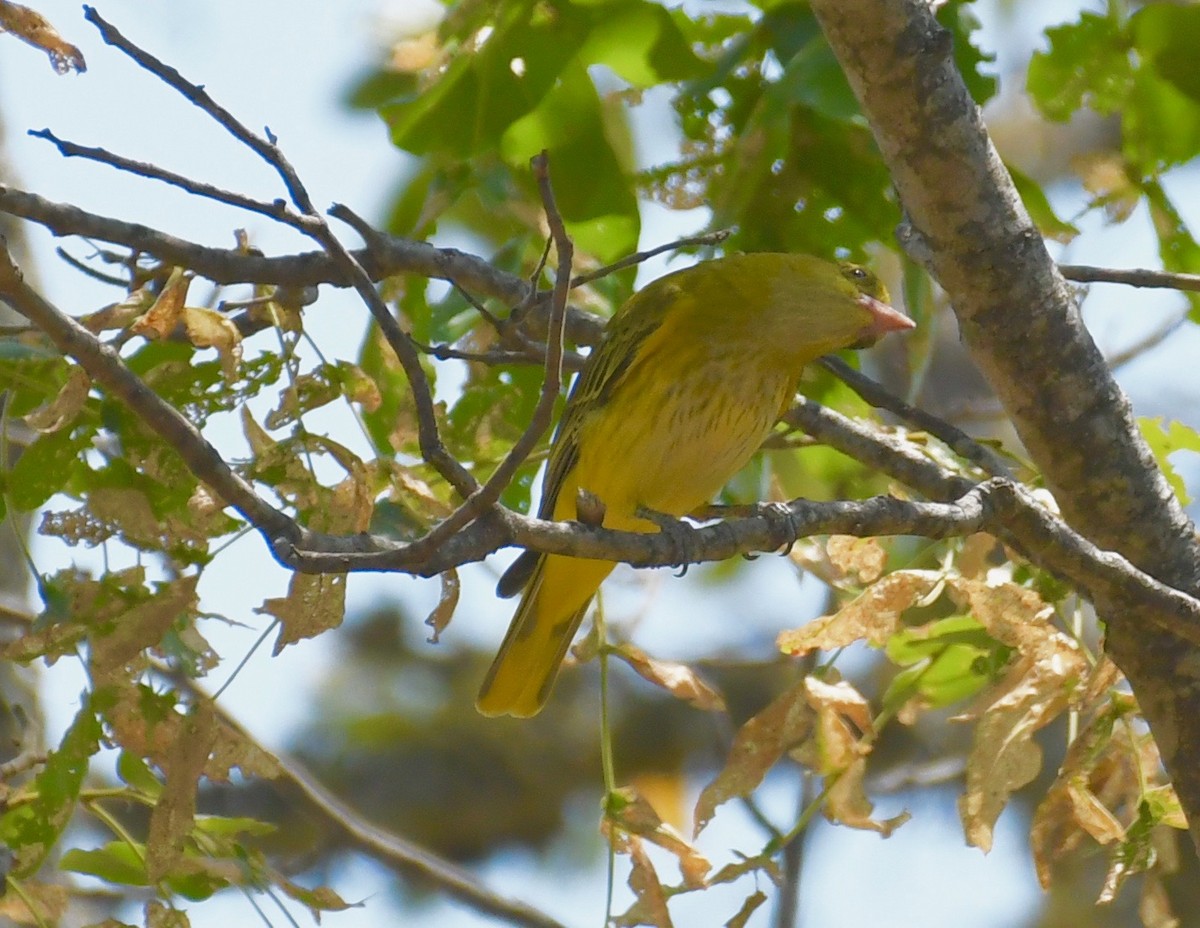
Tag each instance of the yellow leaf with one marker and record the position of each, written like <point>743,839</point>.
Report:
<point>160,320</point>
<point>31,27</point>
<point>207,328</point>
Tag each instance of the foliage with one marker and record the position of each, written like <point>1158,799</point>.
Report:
<point>771,141</point>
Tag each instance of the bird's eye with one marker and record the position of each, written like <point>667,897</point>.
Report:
<point>858,273</point>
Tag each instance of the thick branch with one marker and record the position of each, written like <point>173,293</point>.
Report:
<point>1018,319</point>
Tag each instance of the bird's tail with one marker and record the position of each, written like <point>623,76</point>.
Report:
<point>522,675</point>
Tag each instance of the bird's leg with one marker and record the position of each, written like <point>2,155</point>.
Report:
<point>679,532</point>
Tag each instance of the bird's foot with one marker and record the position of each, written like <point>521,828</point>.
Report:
<point>680,533</point>
<point>783,524</point>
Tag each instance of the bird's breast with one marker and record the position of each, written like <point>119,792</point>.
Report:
<point>676,431</point>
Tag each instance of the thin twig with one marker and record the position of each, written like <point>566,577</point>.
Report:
<point>705,238</point>
<point>489,494</point>
<point>428,437</point>
<point>572,361</point>
<point>277,210</point>
<point>1133,277</point>
<point>955,438</point>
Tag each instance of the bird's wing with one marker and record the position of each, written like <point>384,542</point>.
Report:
<point>601,375</point>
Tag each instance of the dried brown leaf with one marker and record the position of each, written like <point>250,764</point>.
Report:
<point>680,680</point>
<point>160,320</point>
<point>49,904</point>
<point>863,558</point>
<point>119,315</point>
<point>1004,756</point>
<point>207,328</point>
<point>759,743</point>
<point>232,749</point>
<point>847,802</point>
<point>443,612</point>
<point>836,744</point>
<point>1092,815</point>
<point>873,616</point>
<point>749,907</point>
<point>633,814</point>
<point>141,627</point>
<point>314,603</point>
<point>1014,615</point>
<point>159,915</point>
<point>257,437</point>
<point>31,27</point>
<point>175,811</point>
<point>62,410</point>
<point>651,906</point>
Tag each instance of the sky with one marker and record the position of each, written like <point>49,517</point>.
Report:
<point>287,65</point>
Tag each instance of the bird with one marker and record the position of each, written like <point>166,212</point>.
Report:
<point>690,376</point>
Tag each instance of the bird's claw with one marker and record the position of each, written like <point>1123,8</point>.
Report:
<point>680,533</point>
<point>781,518</point>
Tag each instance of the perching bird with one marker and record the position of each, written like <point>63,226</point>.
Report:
<point>692,373</point>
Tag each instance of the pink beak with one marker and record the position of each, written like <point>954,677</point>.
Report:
<point>884,319</point>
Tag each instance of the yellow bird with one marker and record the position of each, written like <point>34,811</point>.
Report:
<point>692,373</point>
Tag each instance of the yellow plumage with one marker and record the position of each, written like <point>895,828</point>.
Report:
<point>692,373</point>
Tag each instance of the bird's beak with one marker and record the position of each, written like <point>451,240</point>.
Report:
<point>884,318</point>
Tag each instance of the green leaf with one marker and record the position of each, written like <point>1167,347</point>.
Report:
<point>32,829</point>
<point>481,94</point>
<point>1165,440</point>
<point>223,827</point>
<point>1167,36</point>
<point>47,466</point>
<point>115,862</point>
<point>945,662</point>
<point>135,772</point>
<point>1040,210</point>
<point>1087,64</point>
<point>962,23</point>
<point>641,42</point>
<point>592,190</point>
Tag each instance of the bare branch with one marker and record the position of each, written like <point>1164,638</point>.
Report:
<point>278,210</point>
<point>1133,277</point>
<point>488,495</point>
<point>955,438</point>
<point>315,226</point>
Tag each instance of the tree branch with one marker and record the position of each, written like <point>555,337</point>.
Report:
<point>394,852</point>
<point>104,366</point>
<point>1018,319</point>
